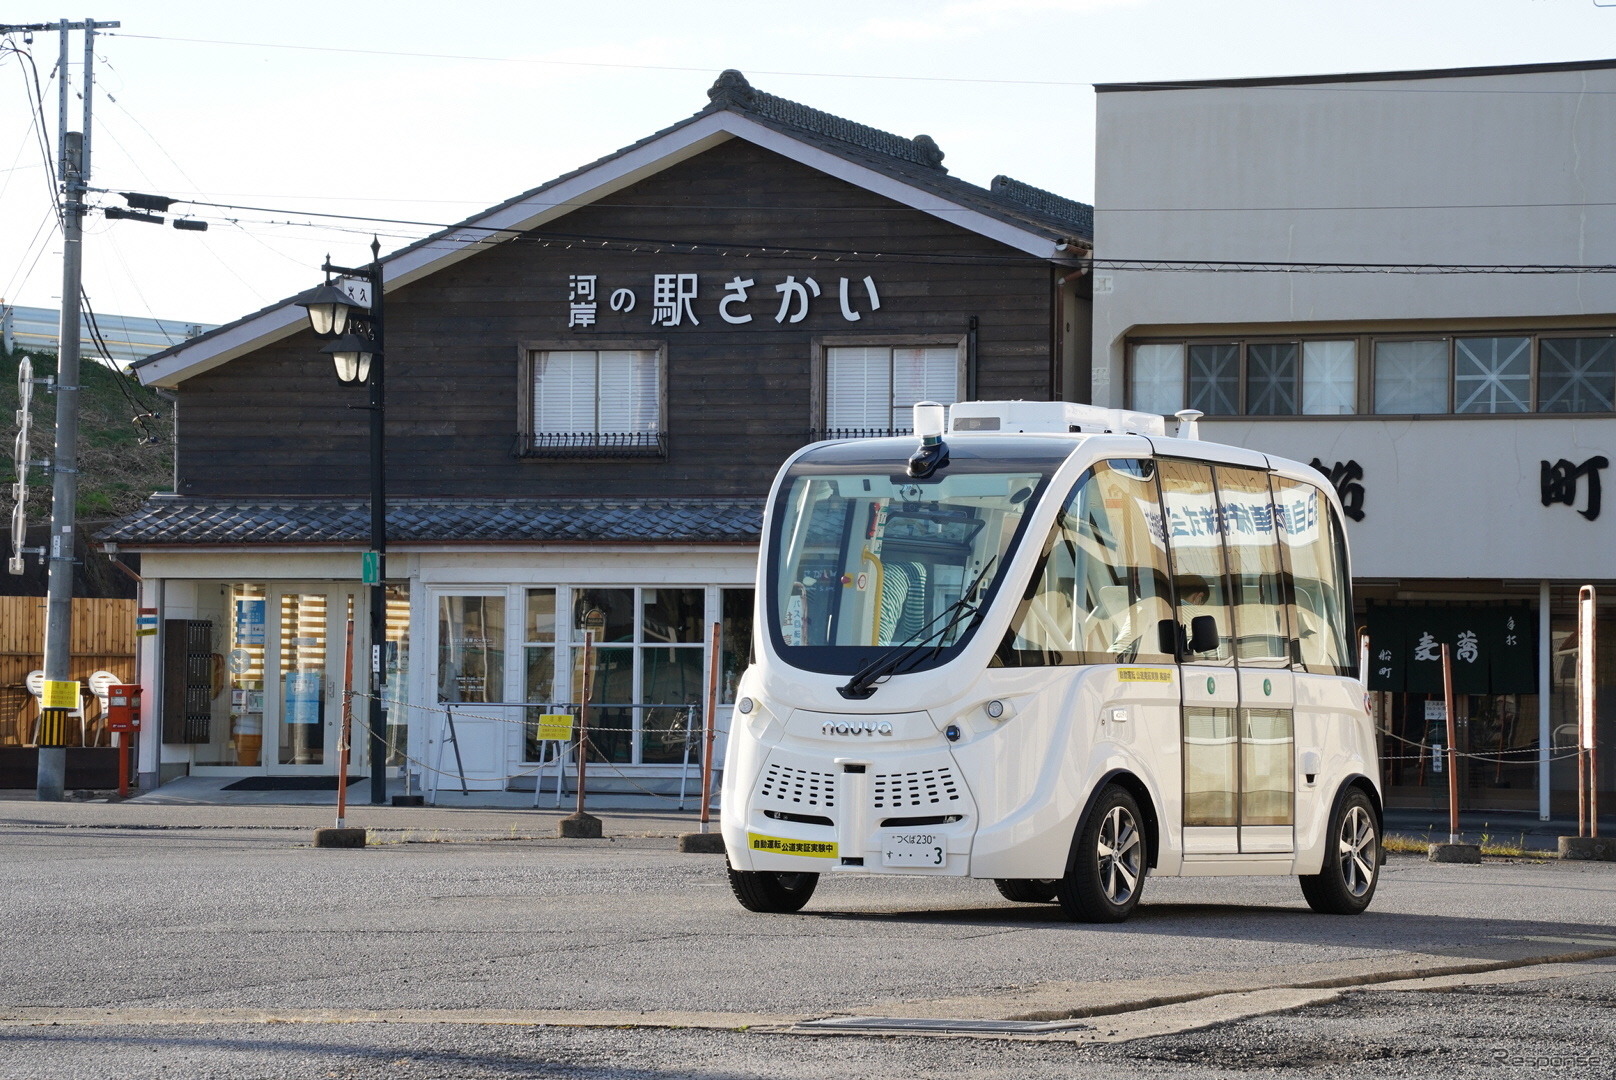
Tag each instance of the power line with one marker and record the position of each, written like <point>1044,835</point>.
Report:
<point>1215,266</point>
<point>36,102</point>
<point>1186,85</point>
<point>1300,209</point>
<point>601,64</point>
<point>721,248</point>
<point>48,224</point>
<point>121,378</point>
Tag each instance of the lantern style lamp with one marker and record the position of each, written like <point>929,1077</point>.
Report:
<point>352,355</point>
<point>328,308</point>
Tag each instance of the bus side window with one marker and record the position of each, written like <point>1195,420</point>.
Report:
<point>1314,551</point>
<point>1100,591</point>
<point>1252,545</point>
<point>1196,543</point>
<point>1126,597</point>
<point>1043,628</point>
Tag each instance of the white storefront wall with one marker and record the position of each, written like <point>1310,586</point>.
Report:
<point>179,583</point>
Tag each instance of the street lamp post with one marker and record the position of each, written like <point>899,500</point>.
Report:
<point>352,318</point>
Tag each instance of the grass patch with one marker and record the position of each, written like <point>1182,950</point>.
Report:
<point>1497,847</point>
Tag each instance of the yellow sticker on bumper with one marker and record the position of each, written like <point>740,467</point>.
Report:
<point>1144,675</point>
<point>780,845</point>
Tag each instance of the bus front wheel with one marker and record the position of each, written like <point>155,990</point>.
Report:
<point>1108,873</point>
<point>771,891</point>
<point>1346,882</point>
<point>1026,890</point>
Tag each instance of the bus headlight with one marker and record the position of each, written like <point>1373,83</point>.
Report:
<point>994,708</point>
<point>745,705</point>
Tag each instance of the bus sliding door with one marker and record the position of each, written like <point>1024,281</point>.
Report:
<point>1210,702</point>
<point>1238,695</point>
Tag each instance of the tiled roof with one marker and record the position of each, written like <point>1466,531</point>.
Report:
<point>732,91</point>
<point>918,160</point>
<point>172,520</point>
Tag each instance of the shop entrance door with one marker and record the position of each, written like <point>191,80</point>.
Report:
<point>303,706</point>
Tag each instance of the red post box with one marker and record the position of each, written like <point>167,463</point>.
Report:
<point>123,707</point>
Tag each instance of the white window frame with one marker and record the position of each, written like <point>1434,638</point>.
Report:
<point>588,443</point>
<point>818,420</point>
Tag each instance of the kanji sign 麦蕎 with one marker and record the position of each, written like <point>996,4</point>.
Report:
<point>675,298</point>
<point>1493,648</point>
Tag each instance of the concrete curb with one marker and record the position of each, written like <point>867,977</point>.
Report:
<point>1454,853</point>
<point>1592,848</point>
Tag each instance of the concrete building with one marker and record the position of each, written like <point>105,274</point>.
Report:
<point>1379,273</point>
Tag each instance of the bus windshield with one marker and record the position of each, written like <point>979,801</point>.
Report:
<point>867,558</point>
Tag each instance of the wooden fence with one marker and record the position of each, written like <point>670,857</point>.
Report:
<point>103,639</point>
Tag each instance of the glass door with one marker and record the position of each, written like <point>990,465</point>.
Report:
<point>303,704</point>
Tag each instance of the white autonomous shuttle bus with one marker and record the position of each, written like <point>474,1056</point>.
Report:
<point>1053,648</point>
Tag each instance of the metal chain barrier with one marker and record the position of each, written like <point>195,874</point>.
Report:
<point>568,748</point>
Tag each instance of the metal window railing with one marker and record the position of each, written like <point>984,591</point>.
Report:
<point>821,434</point>
<point>592,444</point>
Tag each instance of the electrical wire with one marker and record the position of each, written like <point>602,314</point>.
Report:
<point>623,244</point>
<point>161,149</point>
<point>1305,81</point>
<point>48,227</point>
<point>36,103</point>
<point>122,379</point>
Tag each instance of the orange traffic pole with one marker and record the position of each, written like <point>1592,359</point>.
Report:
<point>1453,757</point>
<point>710,729</point>
<point>347,730</point>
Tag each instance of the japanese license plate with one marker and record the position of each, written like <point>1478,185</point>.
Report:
<point>913,848</point>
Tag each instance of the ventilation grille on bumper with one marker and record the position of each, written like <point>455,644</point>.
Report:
<point>802,787</point>
<point>921,787</point>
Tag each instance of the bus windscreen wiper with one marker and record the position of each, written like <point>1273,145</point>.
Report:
<point>862,684</point>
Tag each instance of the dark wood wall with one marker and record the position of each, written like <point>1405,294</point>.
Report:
<point>276,423</point>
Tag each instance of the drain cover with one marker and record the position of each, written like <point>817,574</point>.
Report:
<point>885,1024</point>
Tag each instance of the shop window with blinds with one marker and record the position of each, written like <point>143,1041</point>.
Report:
<point>871,390</point>
<point>594,403</point>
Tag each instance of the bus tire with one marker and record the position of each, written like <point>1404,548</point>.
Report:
<point>1346,883</point>
<point>1107,873</point>
<point>770,891</point>
<point>1026,890</point>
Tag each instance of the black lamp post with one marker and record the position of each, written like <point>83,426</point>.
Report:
<point>354,321</point>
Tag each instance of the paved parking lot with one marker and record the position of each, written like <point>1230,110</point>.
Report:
<point>243,951</point>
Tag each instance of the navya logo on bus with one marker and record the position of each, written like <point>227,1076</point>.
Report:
<point>856,727</point>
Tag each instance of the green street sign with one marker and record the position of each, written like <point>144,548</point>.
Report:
<point>371,568</point>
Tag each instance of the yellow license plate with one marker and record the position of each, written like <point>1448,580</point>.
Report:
<point>780,845</point>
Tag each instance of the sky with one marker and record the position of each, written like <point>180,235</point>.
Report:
<point>429,112</point>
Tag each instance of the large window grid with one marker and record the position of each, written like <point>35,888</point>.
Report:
<point>1469,373</point>
<point>651,663</point>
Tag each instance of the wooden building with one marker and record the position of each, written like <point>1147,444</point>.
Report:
<point>589,389</point>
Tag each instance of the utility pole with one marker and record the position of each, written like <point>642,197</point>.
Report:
<point>61,694</point>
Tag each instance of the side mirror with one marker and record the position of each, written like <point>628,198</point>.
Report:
<point>1203,634</point>
<point>1167,637</point>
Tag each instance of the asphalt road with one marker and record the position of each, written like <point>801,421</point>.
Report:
<point>164,952</point>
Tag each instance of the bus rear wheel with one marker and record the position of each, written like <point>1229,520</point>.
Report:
<point>771,891</point>
<point>1346,882</point>
<point>1108,873</point>
<point>1026,890</point>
